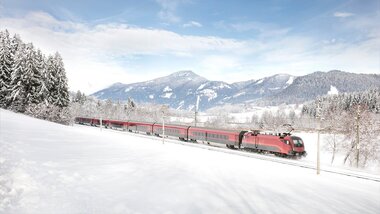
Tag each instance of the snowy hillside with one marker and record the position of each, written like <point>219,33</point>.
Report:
<point>50,168</point>
<point>310,86</point>
<point>180,89</point>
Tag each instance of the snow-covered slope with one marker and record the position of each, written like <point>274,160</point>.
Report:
<point>180,89</point>
<point>310,86</point>
<point>256,90</point>
<point>50,168</point>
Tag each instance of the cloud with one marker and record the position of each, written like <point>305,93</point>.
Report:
<point>261,29</point>
<point>343,14</point>
<point>168,10</point>
<point>192,24</point>
<point>105,49</point>
<point>96,56</point>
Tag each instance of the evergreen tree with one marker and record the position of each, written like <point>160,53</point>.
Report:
<point>6,62</point>
<point>27,81</point>
<point>57,82</point>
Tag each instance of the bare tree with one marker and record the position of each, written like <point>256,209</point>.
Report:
<point>362,134</point>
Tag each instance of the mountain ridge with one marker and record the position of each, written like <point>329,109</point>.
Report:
<point>180,89</point>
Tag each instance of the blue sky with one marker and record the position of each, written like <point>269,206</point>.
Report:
<point>103,42</point>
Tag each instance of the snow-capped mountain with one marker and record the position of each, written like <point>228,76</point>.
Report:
<point>181,89</point>
<point>178,90</point>
<point>251,91</point>
<point>316,84</point>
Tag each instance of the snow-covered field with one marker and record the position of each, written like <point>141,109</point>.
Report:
<point>50,168</point>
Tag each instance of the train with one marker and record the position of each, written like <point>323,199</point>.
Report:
<point>279,144</point>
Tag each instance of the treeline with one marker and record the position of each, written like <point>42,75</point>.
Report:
<point>87,106</point>
<point>369,100</point>
<point>30,82</point>
<point>356,117</point>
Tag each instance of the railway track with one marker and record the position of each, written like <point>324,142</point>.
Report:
<point>292,162</point>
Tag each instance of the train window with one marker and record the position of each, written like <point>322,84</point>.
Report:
<point>297,142</point>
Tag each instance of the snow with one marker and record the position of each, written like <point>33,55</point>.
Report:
<point>239,94</point>
<point>259,82</point>
<point>189,92</point>
<point>201,86</point>
<point>276,88</point>
<point>333,90</point>
<point>221,86</point>
<point>167,89</point>
<point>128,89</point>
<point>180,105</point>
<point>259,111</point>
<point>167,95</point>
<point>50,168</point>
<point>211,94</point>
<point>290,81</point>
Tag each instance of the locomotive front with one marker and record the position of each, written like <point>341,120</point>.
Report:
<point>297,146</point>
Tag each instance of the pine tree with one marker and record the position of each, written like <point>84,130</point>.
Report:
<point>27,80</point>
<point>57,82</point>
<point>6,62</point>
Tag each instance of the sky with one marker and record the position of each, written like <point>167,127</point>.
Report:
<point>103,42</point>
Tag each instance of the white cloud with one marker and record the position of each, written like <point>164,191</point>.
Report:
<point>260,27</point>
<point>90,53</point>
<point>96,56</point>
<point>343,14</point>
<point>192,24</point>
<point>168,10</point>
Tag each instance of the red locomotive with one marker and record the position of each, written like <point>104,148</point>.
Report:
<point>279,144</point>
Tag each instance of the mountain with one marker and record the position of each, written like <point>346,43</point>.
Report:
<point>251,91</point>
<point>311,86</point>
<point>181,89</point>
<point>178,90</point>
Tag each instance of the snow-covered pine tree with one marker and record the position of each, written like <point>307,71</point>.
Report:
<point>6,62</point>
<point>27,82</point>
<point>79,97</point>
<point>56,81</point>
